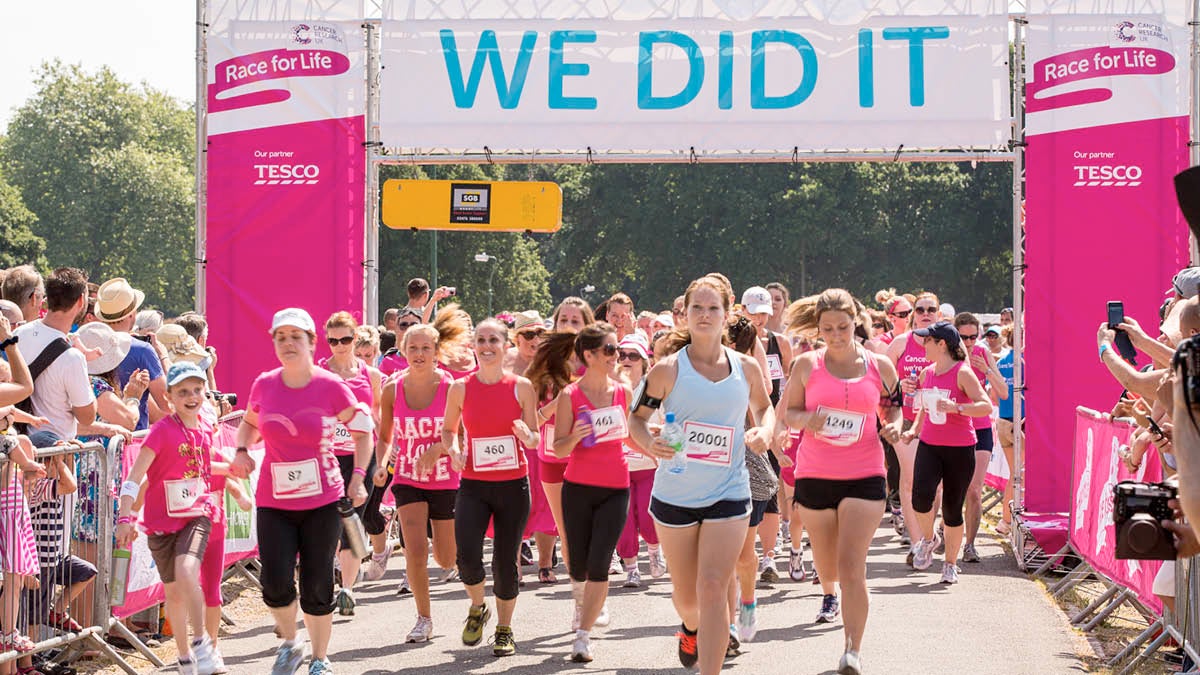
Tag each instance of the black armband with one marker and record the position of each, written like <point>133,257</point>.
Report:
<point>648,401</point>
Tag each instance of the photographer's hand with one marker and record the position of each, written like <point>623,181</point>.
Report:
<point>1105,336</point>
<point>1186,543</point>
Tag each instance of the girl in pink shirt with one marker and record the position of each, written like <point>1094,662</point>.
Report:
<point>840,490</point>
<point>950,397</point>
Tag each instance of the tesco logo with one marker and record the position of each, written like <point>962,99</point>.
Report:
<point>1106,175</point>
<point>287,174</point>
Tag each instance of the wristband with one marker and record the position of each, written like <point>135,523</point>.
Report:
<point>1103,348</point>
<point>359,471</point>
<point>130,489</point>
<point>126,520</point>
<point>10,342</point>
<point>133,400</point>
<point>242,449</point>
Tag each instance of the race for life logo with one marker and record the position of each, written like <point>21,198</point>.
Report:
<point>1125,33</point>
<point>287,174</point>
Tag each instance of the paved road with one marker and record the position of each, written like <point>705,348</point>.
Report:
<point>994,621</point>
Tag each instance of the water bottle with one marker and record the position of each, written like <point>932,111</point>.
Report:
<point>582,416</point>
<point>119,578</point>
<point>353,528</point>
<point>672,435</point>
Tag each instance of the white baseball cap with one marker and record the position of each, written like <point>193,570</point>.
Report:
<point>757,300</point>
<point>294,317</point>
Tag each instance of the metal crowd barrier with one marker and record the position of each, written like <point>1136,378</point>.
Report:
<point>52,617</point>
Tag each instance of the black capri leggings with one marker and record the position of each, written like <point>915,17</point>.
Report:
<point>368,512</point>
<point>951,465</point>
<point>506,504</point>
<point>312,533</point>
<point>593,518</point>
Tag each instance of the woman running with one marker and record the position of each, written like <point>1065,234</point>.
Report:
<point>572,314</point>
<point>780,299</point>
<point>899,309</point>
<point>364,382</point>
<point>591,425</point>
<point>984,367</point>
<point>498,411</point>
<point>410,435</point>
<point>950,396</point>
<point>634,360</point>
<point>300,483</point>
<point>840,491</point>
<point>701,511</point>
<point>909,357</point>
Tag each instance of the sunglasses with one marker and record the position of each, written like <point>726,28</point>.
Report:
<point>902,315</point>
<point>531,334</point>
<point>991,336</point>
<point>405,325</point>
<point>879,326</point>
<point>629,356</point>
<point>965,337</point>
<point>927,310</point>
<point>339,341</point>
<point>608,349</point>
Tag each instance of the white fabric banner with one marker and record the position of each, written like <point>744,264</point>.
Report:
<point>704,84</point>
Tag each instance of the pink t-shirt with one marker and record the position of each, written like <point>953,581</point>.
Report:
<point>910,364</point>
<point>849,447</point>
<point>981,352</point>
<point>392,364</point>
<point>414,430</point>
<point>299,470</point>
<point>958,430</point>
<point>217,485</point>
<point>179,479</point>
<point>360,386</point>
<point>603,464</point>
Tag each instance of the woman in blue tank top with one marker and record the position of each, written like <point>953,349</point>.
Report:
<point>701,512</point>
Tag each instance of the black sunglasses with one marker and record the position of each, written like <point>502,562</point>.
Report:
<point>927,310</point>
<point>405,325</point>
<point>340,341</point>
<point>902,315</point>
<point>608,349</point>
<point>965,337</point>
<point>630,356</point>
<point>531,334</point>
<point>880,326</point>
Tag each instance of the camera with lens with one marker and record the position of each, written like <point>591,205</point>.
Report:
<point>1187,367</point>
<point>1138,512</point>
<point>231,399</point>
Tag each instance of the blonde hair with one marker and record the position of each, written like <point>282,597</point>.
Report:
<point>449,330</point>
<point>803,315</point>
<point>681,337</point>
<point>366,335</point>
<point>926,294</point>
<point>341,319</point>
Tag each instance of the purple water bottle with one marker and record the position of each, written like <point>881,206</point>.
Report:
<point>582,415</point>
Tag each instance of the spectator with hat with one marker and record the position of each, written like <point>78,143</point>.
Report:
<point>1186,283</point>
<point>117,305</point>
<point>528,329</point>
<point>994,337</point>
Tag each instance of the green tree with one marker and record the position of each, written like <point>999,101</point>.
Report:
<point>107,169</point>
<point>21,245</point>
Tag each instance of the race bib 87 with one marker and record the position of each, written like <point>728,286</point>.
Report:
<point>295,480</point>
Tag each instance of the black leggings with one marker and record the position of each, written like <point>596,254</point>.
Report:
<point>593,518</point>
<point>951,465</point>
<point>506,504</point>
<point>372,521</point>
<point>313,533</point>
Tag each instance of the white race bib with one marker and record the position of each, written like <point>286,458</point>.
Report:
<point>774,367</point>
<point>842,427</point>
<point>183,496</point>
<point>708,443</point>
<point>548,442</point>
<point>637,461</point>
<point>343,443</point>
<point>295,480</point>
<point>608,424</point>
<point>498,453</point>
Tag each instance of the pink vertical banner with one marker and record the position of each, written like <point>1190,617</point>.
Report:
<point>1096,468</point>
<point>1107,129</point>
<point>286,180</point>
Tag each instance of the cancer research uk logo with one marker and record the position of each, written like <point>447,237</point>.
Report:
<point>287,174</point>
<point>325,36</point>
<point>1129,32</point>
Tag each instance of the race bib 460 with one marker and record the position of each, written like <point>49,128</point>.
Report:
<point>498,453</point>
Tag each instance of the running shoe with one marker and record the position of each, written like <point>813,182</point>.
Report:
<point>345,602</point>
<point>905,540</point>
<point>912,553</point>
<point>633,579</point>
<point>448,576</point>
<point>658,566</point>
<point>687,649</point>
<point>940,549</point>
<point>923,554</point>
<point>378,566</point>
<point>288,658</point>
<point>616,566</point>
<point>186,667</point>
<point>477,619</point>
<point>202,655</point>
<point>605,618</point>
<point>581,649</point>
<point>816,578</point>
<point>970,554</point>
<point>422,631</point>
<point>850,664</point>
<point>949,573</point>
<point>503,643</point>
<point>898,521</point>
<point>320,667</point>
<point>796,567</point>
<point>218,663</point>
<point>526,554</point>
<point>767,571</point>
<point>830,609</point>
<point>404,587</point>
<point>785,531</point>
<point>735,645</point>
<point>747,623</point>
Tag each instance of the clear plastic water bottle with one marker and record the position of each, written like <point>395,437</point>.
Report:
<point>120,576</point>
<point>672,435</point>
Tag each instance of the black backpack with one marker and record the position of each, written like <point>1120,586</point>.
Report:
<point>49,355</point>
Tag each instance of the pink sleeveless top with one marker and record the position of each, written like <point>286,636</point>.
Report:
<point>911,362</point>
<point>981,352</point>
<point>848,448</point>
<point>413,432</point>
<point>958,430</point>
<point>603,464</point>
<point>360,386</point>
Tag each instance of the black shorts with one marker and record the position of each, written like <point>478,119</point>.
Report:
<point>758,508</point>
<point>669,515</point>
<point>441,502</point>
<point>985,440</point>
<point>772,504</point>
<point>819,494</point>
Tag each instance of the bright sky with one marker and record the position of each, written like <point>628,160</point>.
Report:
<point>140,40</point>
